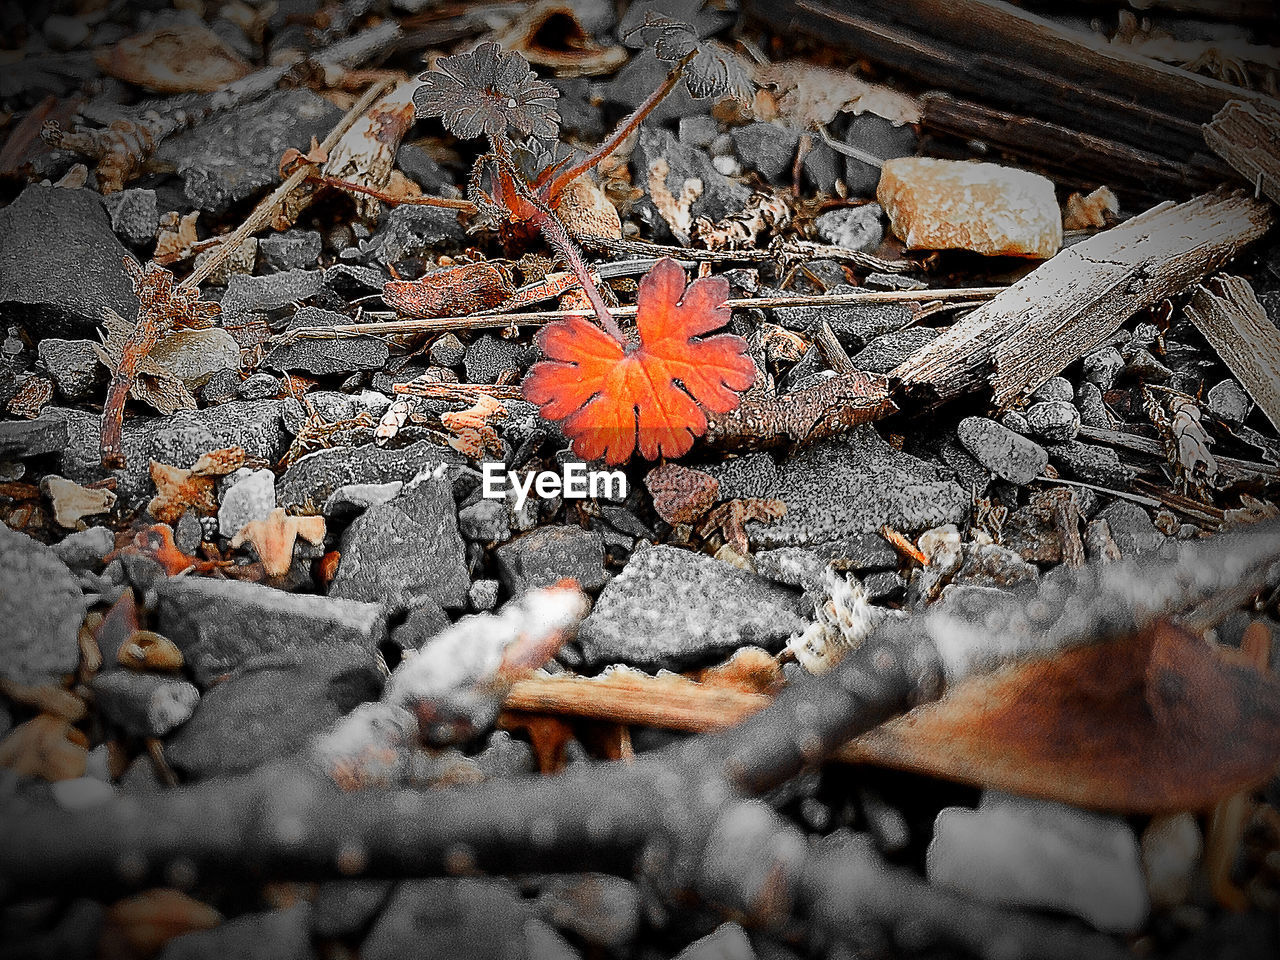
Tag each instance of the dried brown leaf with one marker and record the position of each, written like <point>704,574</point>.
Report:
<point>140,926</point>
<point>186,58</point>
<point>274,537</point>
<point>47,747</point>
<point>681,494</point>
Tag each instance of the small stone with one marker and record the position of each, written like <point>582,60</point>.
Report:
<point>193,356</point>
<point>32,438</point>
<point>1143,366</point>
<point>601,909</point>
<point>886,352</point>
<point>989,209</point>
<point>353,499</point>
<point>1006,454</point>
<point>460,918</point>
<point>223,386</point>
<point>250,498</point>
<point>672,606</point>
<point>488,358</point>
<point>420,167</point>
<point>1020,852</point>
<point>1091,463</point>
<point>485,521</point>
<point>1015,421</point>
<point>877,137</point>
<point>727,942</point>
<point>77,372</point>
<point>657,149</point>
<point>423,622</point>
<point>84,549</point>
<point>411,231</point>
<point>1099,547</point>
<point>1055,388</point>
<point>61,264</point>
<point>886,824</point>
<point>1171,848</point>
<point>768,148</point>
<point>220,624</point>
<point>234,155</point>
<point>277,935</point>
<point>884,585</point>
<point>343,908</point>
<point>447,351</point>
<point>179,439</point>
<point>1054,420</point>
<point>1131,527</point>
<point>854,228</point>
<point>1229,402</point>
<point>144,704</point>
<point>993,565</point>
<point>65,33</point>
<point>247,295</point>
<point>272,707</point>
<point>307,484</point>
<point>258,386</point>
<point>1102,367</point>
<point>321,357</point>
<point>549,554</point>
<point>134,215</point>
<point>404,549</point>
<point>291,250</point>
<point>483,595</point>
<point>42,608</point>
<point>843,487</point>
<point>1093,408</point>
<point>82,793</point>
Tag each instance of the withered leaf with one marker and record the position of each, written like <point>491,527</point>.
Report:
<point>275,536</point>
<point>1161,722</point>
<point>179,489</point>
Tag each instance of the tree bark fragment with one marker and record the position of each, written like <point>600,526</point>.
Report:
<point>1074,302</point>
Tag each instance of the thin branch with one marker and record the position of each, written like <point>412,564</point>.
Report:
<point>350,186</point>
<point>267,209</point>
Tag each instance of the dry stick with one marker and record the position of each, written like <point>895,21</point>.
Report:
<point>265,210</point>
<point>1075,302</point>
<point>539,317</point>
<point>776,251</point>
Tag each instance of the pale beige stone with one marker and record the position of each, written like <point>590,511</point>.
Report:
<point>983,207</point>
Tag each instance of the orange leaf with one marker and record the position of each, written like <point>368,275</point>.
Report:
<point>615,399</point>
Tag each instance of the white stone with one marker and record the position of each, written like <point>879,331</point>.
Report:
<point>251,498</point>
<point>1022,853</point>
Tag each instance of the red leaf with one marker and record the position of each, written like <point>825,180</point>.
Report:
<point>614,399</point>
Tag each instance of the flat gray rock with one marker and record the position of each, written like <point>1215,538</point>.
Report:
<point>671,607</point>
<point>544,556</point>
<point>1008,455</point>
<point>232,156</point>
<point>271,709</point>
<point>314,479</point>
<point>221,624</point>
<point>405,549</point>
<point>144,704</point>
<point>460,918</point>
<point>41,607</point>
<point>853,324</point>
<point>32,438</point>
<point>61,264</point>
<point>178,440</point>
<point>74,366</point>
<point>843,487</point>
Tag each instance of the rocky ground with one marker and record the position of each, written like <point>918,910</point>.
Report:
<point>275,546</point>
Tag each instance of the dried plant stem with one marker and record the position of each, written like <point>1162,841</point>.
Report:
<point>314,176</point>
<point>533,318</point>
<point>779,250</point>
<point>624,130</point>
<point>267,209</point>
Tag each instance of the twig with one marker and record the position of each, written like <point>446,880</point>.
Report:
<point>778,250</point>
<point>539,317</point>
<point>265,210</point>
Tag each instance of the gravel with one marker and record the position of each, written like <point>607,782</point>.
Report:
<point>42,608</point>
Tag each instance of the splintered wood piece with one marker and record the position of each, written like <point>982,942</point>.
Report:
<point>1245,135</point>
<point>1229,315</point>
<point>1075,158</point>
<point>1067,76</point>
<point>1076,301</point>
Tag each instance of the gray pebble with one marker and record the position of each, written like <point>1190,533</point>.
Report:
<point>1102,366</point>
<point>1229,402</point>
<point>1006,454</point>
<point>250,498</point>
<point>1054,420</point>
<point>854,228</point>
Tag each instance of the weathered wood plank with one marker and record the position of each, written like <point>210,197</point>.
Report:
<point>1076,301</point>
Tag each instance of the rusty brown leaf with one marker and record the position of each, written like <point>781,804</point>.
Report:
<point>1162,722</point>
<point>274,537</point>
<point>139,926</point>
<point>187,58</point>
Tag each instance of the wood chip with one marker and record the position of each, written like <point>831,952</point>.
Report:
<point>1245,135</point>
<point>1229,315</point>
